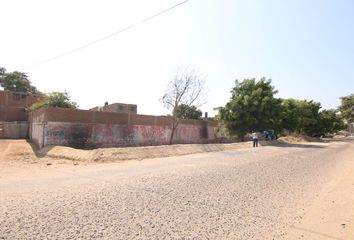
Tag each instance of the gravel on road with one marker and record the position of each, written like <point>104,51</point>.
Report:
<point>236,194</point>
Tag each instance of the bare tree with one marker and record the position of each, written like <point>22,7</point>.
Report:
<point>185,88</point>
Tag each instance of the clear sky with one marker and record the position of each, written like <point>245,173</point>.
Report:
<point>305,46</point>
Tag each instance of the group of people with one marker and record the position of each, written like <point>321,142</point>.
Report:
<point>268,134</point>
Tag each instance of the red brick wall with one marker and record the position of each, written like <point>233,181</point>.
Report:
<point>12,105</point>
<point>89,129</point>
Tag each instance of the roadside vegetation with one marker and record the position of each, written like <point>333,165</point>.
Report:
<point>254,107</point>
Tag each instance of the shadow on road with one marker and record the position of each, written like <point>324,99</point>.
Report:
<point>344,139</point>
<point>296,145</point>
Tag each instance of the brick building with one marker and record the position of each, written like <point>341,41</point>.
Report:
<point>13,105</point>
<point>117,108</point>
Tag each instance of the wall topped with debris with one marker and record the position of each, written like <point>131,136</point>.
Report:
<point>92,129</point>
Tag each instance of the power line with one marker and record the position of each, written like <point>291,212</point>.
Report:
<point>106,37</point>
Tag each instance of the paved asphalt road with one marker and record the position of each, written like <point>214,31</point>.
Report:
<point>238,194</point>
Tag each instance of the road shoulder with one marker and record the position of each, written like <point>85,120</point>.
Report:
<point>331,216</point>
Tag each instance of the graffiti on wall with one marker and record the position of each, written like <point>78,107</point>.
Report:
<point>189,133</point>
<point>74,135</point>
<point>82,135</point>
<point>55,134</point>
<point>151,135</point>
<point>129,135</point>
<point>109,135</point>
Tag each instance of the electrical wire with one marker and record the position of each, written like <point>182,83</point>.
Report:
<point>106,37</point>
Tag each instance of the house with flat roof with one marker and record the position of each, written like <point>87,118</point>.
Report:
<point>14,105</point>
<point>14,113</point>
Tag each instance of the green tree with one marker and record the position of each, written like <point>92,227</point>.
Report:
<point>252,107</point>
<point>346,108</point>
<point>55,99</point>
<point>188,112</point>
<point>305,117</point>
<point>308,117</point>
<point>329,122</point>
<point>16,82</point>
<point>290,114</point>
<point>300,116</point>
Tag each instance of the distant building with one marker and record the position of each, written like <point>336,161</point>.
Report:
<point>118,108</point>
<point>14,105</point>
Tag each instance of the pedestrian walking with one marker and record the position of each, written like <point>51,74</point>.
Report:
<point>255,139</point>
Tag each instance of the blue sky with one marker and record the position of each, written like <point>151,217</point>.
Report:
<point>305,47</point>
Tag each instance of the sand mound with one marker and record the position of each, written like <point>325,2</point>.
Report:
<point>21,151</point>
<point>134,153</point>
<point>298,139</point>
<point>16,151</point>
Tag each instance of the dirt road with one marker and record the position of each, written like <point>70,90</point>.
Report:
<point>274,192</point>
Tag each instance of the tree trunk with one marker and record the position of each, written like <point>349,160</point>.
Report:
<point>172,135</point>
<point>174,128</point>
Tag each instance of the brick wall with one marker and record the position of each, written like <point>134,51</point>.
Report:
<point>12,105</point>
<point>91,129</point>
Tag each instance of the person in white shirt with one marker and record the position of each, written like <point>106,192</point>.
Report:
<point>255,139</point>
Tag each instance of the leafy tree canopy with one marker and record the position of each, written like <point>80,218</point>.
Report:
<point>300,116</point>
<point>347,108</point>
<point>329,122</point>
<point>16,82</point>
<point>188,112</point>
<point>252,107</point>
<point>305,117</point>
<point>290,114</point>
<point>55,99</point>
